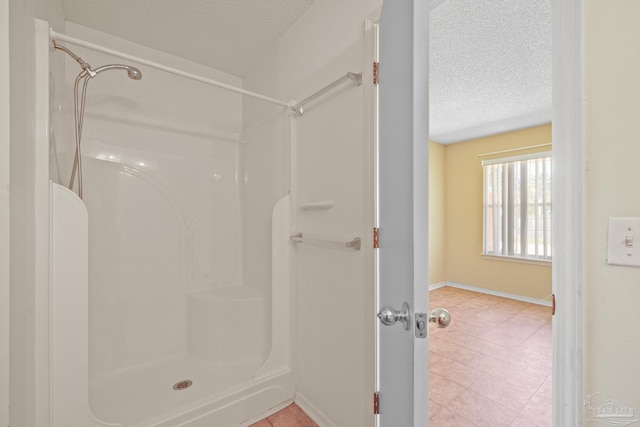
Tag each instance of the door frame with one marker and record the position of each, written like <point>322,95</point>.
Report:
<point>567,217</point>
<point>5,152</point>
<point>410,379</point>
<point>567,270</point>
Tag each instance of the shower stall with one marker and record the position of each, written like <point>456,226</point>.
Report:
<point>170,276</point>
<point>171,192</point>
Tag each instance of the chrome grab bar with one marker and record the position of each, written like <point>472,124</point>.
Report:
<point>354,78</point>
<point>356,243</point>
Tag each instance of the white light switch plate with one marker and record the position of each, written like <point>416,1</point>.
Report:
<point>624,242</point>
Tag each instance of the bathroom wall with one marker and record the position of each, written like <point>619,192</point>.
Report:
<point>333,354</point>
<point>463,187</point>
<point>611,129</point>
<point>28,338</point>
<point>22,402</point>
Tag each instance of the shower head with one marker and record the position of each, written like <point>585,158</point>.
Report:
<point>132,72</point>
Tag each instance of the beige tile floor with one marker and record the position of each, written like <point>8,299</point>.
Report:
<point>490,367</point>
<point>291,416</point>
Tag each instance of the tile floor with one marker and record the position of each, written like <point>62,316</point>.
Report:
<point>291,416</point>
<point>490,367</point>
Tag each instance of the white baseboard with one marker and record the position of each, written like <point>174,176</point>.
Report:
<point>314,413</point>
<point>491,292</point>
<point>437,286</point>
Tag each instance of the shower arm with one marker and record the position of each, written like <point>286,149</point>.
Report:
<point>85,66</point>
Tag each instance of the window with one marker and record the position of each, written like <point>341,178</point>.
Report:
<point>517,207</point>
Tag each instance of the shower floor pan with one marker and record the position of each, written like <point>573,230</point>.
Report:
<point>171,392</point>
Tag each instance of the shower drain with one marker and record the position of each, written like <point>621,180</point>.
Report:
<point>181,385</point>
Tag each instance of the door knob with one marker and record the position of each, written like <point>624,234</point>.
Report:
<point>389,316</point>
<point>440,317</point>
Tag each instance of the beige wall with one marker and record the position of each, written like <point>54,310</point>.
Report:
<point>437,240</point>
<point>612,188</point>
<point>462,243</point>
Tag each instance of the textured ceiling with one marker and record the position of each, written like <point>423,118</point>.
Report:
<point>490,59</point>
<point>490,67</point>
<point>229,35</point>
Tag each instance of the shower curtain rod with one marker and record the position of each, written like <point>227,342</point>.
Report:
<point>54,36</point>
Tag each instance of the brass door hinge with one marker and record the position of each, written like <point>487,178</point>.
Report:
<point>376,403</point>
<point>375,237</point>
<point>376,70</point>
<point>553,304</point>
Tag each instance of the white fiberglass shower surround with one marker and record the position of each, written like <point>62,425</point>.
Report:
<point>169,301</point>
<point>170,278</point>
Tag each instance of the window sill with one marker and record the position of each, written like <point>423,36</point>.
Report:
<point>518,260</point>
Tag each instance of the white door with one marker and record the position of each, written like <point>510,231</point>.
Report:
<point>402,212</point>
<point>402,363</point>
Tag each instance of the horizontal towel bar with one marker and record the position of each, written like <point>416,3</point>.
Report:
<point>356,243</point>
